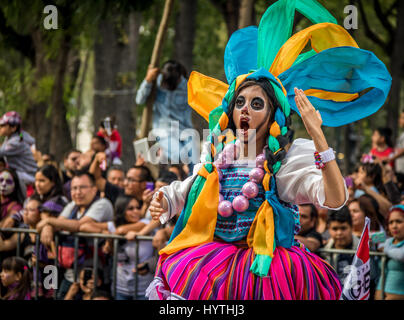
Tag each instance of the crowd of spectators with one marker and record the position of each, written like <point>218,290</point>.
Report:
<point>91,193</point>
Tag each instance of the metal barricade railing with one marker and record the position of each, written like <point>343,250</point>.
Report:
<point>333,254</point>
<point>77,235</point>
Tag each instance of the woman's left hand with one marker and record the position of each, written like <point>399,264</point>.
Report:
<point>310,116</point>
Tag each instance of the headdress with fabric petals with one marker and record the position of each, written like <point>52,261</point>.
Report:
<point>343,82</point>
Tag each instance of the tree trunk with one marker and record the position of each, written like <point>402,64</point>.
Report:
<point>115,66</point>
<point>247,13</point>
<point>185,33</point>
<point>184,45</point>
<point>80,99</point>
<point>60,138</point>
<point>35,120</point>
<point>230,11</point>
<point>396,67</point>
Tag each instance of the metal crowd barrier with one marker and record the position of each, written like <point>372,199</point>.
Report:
<point>77,235</point>
<point>333,254</point>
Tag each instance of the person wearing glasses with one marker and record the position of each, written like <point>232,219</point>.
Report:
<point>86,207</point>
<point>134,184</point>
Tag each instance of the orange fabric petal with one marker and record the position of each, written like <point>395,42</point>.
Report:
<point>322,35</point>
<point>205,93</point>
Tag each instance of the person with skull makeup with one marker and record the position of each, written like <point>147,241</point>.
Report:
<point>11,195</point>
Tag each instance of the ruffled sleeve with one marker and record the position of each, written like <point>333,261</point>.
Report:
<point>176,193</point>
<point>298,180</point>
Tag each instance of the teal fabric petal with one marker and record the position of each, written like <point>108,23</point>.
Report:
<point>276,25</point>
<point>274,30</point>
<point>261,265</point>
<point>214,117</point>
<point>341,69</point>
<point>314,11</point>
<point>240,55</point>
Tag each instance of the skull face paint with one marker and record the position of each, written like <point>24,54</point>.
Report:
<point>7,183</point>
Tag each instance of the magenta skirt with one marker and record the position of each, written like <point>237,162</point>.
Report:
<point>221,271</point>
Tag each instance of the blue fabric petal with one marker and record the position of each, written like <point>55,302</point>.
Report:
<point>240,55</point>
<point>341,69</point>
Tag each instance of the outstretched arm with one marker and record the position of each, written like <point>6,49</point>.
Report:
<point>333,181</point>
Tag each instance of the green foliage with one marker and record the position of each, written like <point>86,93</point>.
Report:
<point>210,41</point>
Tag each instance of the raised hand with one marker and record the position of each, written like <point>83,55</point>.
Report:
<point>152,74</point>
<point>310,116</point>
<point>158,206</point>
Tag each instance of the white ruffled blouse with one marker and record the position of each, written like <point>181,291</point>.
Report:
<point>298,180</point>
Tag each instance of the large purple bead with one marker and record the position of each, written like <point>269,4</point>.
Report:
<point>240,203</point>
<point>225,208</point>
<point>222,162</point>
<point>260,160</point>
<point>250,190</point>
<point>221,198</point>
<point>256,175</point>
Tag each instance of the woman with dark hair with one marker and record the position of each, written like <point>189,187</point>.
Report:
<point>369,180</point>
<point>11,195</point>
<point>16,277</point>
<point>365,206</point>
<point>234,238</point>
<point>252,110</point>
<point>128,213</point>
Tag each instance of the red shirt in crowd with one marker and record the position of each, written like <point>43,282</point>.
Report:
<point>383,155</point>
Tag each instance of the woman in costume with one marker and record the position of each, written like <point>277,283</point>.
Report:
<point>234,238</point>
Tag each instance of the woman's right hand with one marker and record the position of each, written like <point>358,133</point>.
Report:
<point>158,206</point>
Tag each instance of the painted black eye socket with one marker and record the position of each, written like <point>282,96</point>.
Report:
<point>257,104</point>
<point>240,101</point>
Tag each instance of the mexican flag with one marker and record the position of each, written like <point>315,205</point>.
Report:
<point>357,283</point>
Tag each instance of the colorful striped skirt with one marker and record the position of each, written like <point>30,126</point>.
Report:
<point>220,271</point>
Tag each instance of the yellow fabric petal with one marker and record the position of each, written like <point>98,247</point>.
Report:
<point>201,224</point>
<point>322,35</point>
<point>223,121</point>
<point>262,232</point>
<point>240,79</point>
<point>328,95</point>
<point>205,93</point>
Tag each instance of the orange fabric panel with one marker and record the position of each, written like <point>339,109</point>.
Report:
<point>201,224</point>
<point>205,93</point>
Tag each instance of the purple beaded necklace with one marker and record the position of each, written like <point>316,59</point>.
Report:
<point>249,190</point>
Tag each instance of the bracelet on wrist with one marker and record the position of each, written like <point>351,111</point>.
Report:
<point>321,158</point>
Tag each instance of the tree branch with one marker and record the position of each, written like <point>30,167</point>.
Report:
<point>383,18</point>
<point>21,43</point>
<point>368,31</point>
